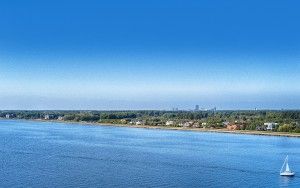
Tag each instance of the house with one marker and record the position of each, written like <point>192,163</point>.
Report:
<point>7,116</point>
<point>260,128</point>
<point>124,121</point>
<point>184,124</point>
<point>169,123</point>
<point>270,125</point>
<point>196,125</point>
<point>47,117</point>
<point>204,125</point>
<point>188,124</point>
<point>139,122</point>
<point>233,127</point>
<point>135,122</point>
<point>225,123</point>
<point>60,118</point>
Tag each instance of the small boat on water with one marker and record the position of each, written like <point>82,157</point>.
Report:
<point>285,169</point>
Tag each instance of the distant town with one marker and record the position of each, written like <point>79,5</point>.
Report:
<point>231,120</point>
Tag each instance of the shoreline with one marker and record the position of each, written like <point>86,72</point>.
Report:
<point>224,130</point>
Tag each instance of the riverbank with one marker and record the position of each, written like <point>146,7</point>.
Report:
<point>225,131</point>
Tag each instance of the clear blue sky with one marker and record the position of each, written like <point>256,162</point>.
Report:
<point>138,54</point>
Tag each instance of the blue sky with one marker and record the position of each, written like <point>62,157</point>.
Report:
<point>135,54</point>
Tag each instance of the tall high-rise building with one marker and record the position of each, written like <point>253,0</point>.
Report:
<point>197,107</point>
<point>175,109</point>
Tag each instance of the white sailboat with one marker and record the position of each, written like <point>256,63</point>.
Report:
<point>285,169</point>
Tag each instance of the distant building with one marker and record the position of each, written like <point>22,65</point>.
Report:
<point>60,118</point>
<point>196,125</point>
<point>225,123</point>
<point>233,127</point>
<point>139,122</point>
<point>260,128</point>
<point>124,121</point>
<point>47,117</point>
<point>197,108</point>
<point>188,124</point>
<point>204,124</point>
<point>7,116</point>
<point>270,125</point>
<point>169,123</point>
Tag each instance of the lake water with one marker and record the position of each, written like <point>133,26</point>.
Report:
<point>43,154</point>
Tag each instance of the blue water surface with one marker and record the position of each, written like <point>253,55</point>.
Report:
<point>46,154</point>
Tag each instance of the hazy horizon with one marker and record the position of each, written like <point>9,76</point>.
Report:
<point>116,55</point>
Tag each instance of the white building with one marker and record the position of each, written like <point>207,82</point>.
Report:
<point>196,125</point>
<point>188,124</point>
<point>168,123</point>
<point>7,116</point>
<point>139,123</point>
<point>225,123</point>
<point>47,117</point>
<point>270,125</point>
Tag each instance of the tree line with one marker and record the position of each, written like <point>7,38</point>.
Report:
<point>288,120</point>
